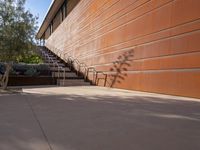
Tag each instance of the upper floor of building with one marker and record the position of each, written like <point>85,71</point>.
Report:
<point>56,14</point>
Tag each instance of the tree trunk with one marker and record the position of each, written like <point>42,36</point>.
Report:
<point>6,76</point>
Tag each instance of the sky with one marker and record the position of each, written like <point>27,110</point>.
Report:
<point>38,8</point>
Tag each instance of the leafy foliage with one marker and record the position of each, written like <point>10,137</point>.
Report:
<point>31,72</point>
<point>22,69</point>
<point>17,30</point>
<point>30,59</point>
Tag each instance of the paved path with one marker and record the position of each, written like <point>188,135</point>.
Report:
<point>93,118</point>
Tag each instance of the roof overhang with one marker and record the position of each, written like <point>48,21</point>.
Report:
<point>54,7</point>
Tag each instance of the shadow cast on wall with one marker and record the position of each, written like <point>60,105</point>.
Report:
<point>120,66</point>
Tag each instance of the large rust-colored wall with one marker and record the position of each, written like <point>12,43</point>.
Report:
<point>162,35</point>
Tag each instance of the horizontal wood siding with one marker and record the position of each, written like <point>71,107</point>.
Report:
<point>154,43</point>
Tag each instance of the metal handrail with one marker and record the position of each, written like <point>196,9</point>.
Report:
<point>78,65</point>
<point>95,75</point>
<point>55,64</point>
<point>87,70</point>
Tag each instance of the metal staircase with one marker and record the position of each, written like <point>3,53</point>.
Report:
<point>62,73</point>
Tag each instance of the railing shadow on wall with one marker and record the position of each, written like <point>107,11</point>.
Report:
<point>119,67</point>
<point>82,69</point>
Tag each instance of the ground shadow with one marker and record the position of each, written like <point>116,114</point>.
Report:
<point>85,121</point>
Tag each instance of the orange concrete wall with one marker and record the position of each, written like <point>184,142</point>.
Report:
<point>156,43</point>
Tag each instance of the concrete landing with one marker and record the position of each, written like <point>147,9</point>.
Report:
<point>95,118</point>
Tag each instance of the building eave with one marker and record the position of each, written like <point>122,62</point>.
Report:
<point>54,7</point>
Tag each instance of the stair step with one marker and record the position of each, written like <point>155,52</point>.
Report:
<point>50,61</point>
<point>51,55</point>
<point>67,74</point>
<point>54,59</point>
<point>69,82</point>
<point>70,78</point>
<point>56,69</point>
<point>47,54</point>
<point>59,64</point>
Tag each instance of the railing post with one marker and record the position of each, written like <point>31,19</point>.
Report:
<point>85,74</point>
<point>58,71</point>
<point>96,76</point>
<point>105,81</point>
<point>78,70</point>
<point>64,74</point>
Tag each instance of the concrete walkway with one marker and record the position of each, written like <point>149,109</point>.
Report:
<point>95,118</point>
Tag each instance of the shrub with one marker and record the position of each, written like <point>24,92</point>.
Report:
<point>28,69</point>
<point>31,59</point>
<point>31,72</point>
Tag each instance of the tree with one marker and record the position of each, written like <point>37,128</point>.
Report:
<point>17,32</point>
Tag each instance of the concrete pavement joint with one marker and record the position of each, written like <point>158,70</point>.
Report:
<point>37,120</point>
